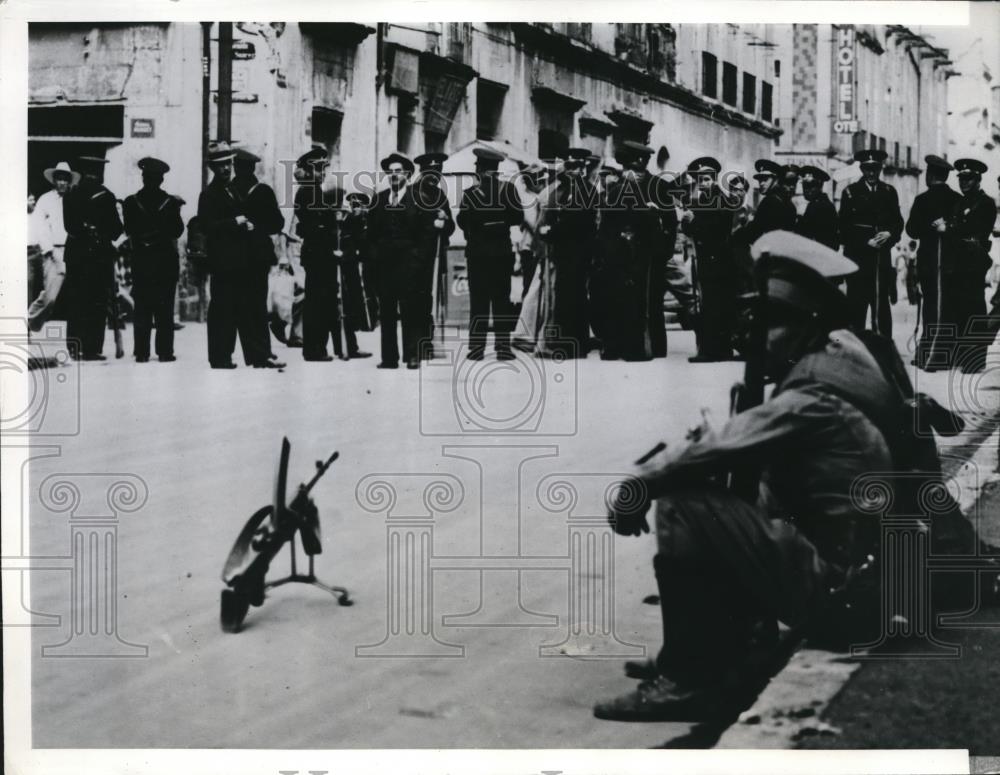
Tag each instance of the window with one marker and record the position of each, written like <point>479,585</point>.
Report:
<point>895,154</point>
<point>552,143</point>
<point>858,141</point>
<point>729,83</point>
<point>749,93</point>
<point>405,122</point>
<point>325,128</point>
<point>909,157</point>
<point>766,101</point>
<point>777,68</point>
<point>489,109</point>
<point>881,143</point>
<point>579,31</point>
<point>709,75</point>
<point>459,41</point>
<point>873,142</point>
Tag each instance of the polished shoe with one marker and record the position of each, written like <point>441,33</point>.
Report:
<point>324,357</point>
<point>660,699</point>
<point>644,670</point>
<point>294,342</point>
<point>474,356</point>
<point>226,365</point>
<point>385,365</point>
<point>706,359</point>
<point>359,354</point>
<point>506,355</point>
<point>142,359</point>
<point>269,364</point>
<point>167,358</point>
<point>413,363</point>
<point>95,357</point>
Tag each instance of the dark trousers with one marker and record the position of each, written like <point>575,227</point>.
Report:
<point>717,310</point>
<point>861,292</point>
<point>321,318</point>
<point>424,296</point>
<point>90,285</point>
<point>656,320</point>
<point>529,263</point>
<point>154,306</point>
<point>970,317</point>
<point>489,296</point>
<point>722,567</point>
<point>235,308</point>
<point>397,301</point>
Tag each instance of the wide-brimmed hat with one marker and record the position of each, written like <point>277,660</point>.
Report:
<point>244,155</point>
<point>936,162</point>
<point>766,167</point>
<point>397,157</point>
<point>62,168</point>
<point>91,164</point>
<point>220,151</point>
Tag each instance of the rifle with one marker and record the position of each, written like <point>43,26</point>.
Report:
<point>750,392</point>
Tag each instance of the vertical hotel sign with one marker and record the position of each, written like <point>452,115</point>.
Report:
<point>846,121</point>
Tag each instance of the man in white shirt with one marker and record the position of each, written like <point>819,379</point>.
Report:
<point>46,229</point>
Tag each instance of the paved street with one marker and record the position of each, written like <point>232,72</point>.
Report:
<point>205,444</point>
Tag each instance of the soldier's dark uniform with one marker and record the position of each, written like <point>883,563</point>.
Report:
<point>232,287</point>
<point>319,222</point>
<point>488,209</point>
<point>152,220</point>
<point>819,220</point>
<point>934,261</point>
<point>394,224</point>
<point>357,270</point>
<point>90,216</point>
<point>970,227</point>
<point>775,211</point>
<point>637,229</point>
<point>432,249</point>
<point>260,206</point>
<point>723,566</point>
<point>715,268</point>
<point>866,210</point>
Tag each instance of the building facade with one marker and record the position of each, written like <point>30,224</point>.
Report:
<point>863,87</point>
<point>126,91</point>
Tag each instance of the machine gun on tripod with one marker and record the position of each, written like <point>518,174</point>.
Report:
<point>263,536</point>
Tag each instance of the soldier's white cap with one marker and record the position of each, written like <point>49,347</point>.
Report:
<point>797,271</point>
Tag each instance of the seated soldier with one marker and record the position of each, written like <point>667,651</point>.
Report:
<point>727,569</point>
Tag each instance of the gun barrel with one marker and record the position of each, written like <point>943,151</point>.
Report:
<point>320,470</point>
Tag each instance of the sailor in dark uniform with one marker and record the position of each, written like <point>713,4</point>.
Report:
<point>969,229</point>
<point>488,209</point>
<point>819,220</point>
<point>260,205</point>
<point>709,223</point>
<point>935,266</point>
<point>436,227</point>
<point>93,233</point>
<point>775,209</point>
<point>319,219</point>
<point>870,224</point>
<point>153,223</point>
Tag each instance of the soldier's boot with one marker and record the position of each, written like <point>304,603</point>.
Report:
<point>701,672</point>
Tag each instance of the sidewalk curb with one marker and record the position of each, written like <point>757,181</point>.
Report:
<point>791,707</point>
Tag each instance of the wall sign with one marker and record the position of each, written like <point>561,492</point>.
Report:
<point>143,127</point>
<point>243,49</point>
<point>846,121</point>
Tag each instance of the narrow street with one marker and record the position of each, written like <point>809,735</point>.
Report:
<point>205,444</point>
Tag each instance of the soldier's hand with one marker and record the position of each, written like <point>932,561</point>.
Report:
<point>241,219</point>
<point>249,226</point>
<point>627,512</point>
<point>439,223</point>
<point>687,216</point>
